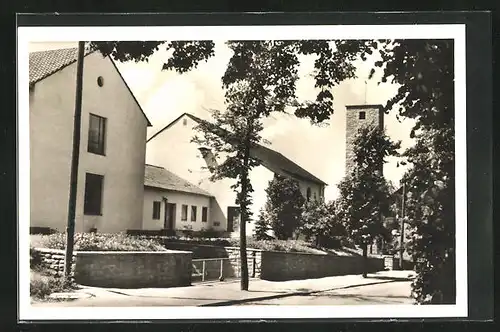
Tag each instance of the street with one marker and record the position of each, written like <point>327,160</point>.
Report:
<point>388,287</point>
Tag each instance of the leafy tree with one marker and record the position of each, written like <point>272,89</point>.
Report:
<point>364,193</point>
<point>261,227</point>
<point>284,206</point>
<point>320,220</point>
<point>424,69</point>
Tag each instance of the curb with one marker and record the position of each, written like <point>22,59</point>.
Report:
<point>301,293</point>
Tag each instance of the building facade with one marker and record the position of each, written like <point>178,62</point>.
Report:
<point>110,188</point>
<point>172,203</point>
<point>358,116</point>
<point>172,148</point>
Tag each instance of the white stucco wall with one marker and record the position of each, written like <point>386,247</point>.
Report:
<point>177,198</point>
<point>174,150</point>
<point>51,131</point>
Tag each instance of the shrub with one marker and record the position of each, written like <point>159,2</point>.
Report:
<point>43,285</point>
<point>35,258</point>
<point>102,242</point>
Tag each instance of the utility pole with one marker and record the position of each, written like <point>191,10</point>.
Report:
<point>70,230</point>
<point>402,236</point>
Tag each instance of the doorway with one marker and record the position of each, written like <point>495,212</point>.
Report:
<point>169,222</point>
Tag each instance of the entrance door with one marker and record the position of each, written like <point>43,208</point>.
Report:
<point>169,216</point>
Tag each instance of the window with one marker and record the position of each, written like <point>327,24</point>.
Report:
<point>204,214</point>
<point>216,223</point>
<point>184,122</point>
<point>362,115</point>
<point>308,194</point>
<point>193,212</point>
<point>97,133</point>
<point>93,194</point>
<point>156,210</point>
<point>100,81</point>
<point>184,212</point>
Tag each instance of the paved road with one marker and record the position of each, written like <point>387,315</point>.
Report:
<point>379,288</point>
<point>397,292</point>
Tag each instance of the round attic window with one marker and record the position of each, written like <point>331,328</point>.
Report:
<point>100,81</point>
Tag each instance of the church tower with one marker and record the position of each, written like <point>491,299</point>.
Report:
<point>356,117</point>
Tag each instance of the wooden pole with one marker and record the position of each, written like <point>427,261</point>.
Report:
<point>70,230</point>
<point>402,236</point>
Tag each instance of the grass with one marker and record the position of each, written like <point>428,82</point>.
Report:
<point>42,285</point>
<point>124,242</point>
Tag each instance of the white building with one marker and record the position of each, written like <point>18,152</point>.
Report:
<point>112,150</point>
<point>171,148</point>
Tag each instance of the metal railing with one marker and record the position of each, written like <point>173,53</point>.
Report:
<point>210,269</point>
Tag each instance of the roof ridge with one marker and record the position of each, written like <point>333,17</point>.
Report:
<point>154,166</point>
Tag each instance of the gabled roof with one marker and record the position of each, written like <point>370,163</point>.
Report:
<point>42,64</point>
<point>267,156</point>
<point>161,178</point>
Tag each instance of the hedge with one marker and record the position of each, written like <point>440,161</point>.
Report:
<point>101,242</point>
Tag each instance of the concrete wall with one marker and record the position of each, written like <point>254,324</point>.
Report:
<point>277,266</point>
<point>123,269</point>
<point>51,132</point>
<point>374,117</point>
<point>178,198</point>
<point>133,269</point>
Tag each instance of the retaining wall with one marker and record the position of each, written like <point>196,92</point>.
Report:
<point>280,266</point>
<point>124,269</point>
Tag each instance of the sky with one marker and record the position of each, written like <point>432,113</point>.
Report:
<point>164,95</point>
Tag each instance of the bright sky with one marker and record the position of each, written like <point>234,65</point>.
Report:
<point>164,95</point>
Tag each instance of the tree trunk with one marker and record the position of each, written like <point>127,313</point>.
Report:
<point>244,217</point>
<point>365,260</point>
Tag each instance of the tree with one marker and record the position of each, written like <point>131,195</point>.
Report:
<point>260,79</point>
<point>320,220</point>
<point>424,70</point>
<point>364,193</point>
<point>261,227</point>
<point>284,206</point>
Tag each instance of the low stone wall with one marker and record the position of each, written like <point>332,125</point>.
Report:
<point>254,261</point>
<point>123,269</point>
<point>53,261</point>
<point>280,266</point>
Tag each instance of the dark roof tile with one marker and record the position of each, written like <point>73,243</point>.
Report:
<point>161,178</point>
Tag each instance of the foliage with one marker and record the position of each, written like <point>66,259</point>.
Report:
<point>424,69</point>
<point>35,258</point>
<point>261,227</point>
<point>364,192</point>
<point>42,285</point>
<point>101,242</point>
<point>284,206</point>
<point>320,220</point>
<point>260,79</point>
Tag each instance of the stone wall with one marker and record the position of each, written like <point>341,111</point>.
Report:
<point>123,269</point>
<point>374,116</point>
<point>133,269</point>
<point>53,261</point>
<point>279,266</point>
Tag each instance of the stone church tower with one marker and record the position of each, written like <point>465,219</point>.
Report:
<point>356,117</point>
